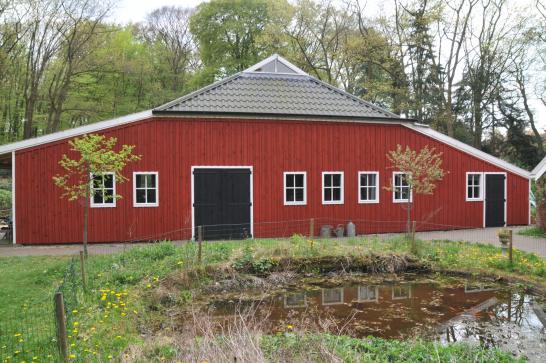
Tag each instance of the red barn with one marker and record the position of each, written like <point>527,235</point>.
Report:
<point>259,154</point>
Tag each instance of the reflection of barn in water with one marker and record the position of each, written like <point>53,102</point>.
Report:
<point>387,311</point>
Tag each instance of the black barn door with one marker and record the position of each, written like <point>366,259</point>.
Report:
<point>494,200</point>
<point>222,203</point>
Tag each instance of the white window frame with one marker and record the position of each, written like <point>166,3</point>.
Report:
<point>92,194</point>
<point>135,203</point>
<point>394,200</point>
<point>368,201</point>
<point>342,297</point>
<point>480,198</point>
<point>342,188</point>
<point>368,288</point>
<point>401,288</point>
<point>304,202</point>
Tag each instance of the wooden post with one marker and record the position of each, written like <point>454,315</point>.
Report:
<point>311,227</point>
<point>510,247</point>
<point>61,326</point>
<point>82,269</point>
<point>200,243</point>
<point>413,245</point>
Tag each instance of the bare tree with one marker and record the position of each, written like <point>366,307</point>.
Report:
<point>82,21</point>
<point>453,30</point>
<point>169,27</point>
<point>43,41</point>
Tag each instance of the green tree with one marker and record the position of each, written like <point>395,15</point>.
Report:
<point>96,158</point>
<point>229,32</point>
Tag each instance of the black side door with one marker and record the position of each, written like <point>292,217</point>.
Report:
<point>222,203</point>
<point>494,200</point>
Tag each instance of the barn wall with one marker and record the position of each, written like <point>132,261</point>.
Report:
<point>171,146</point>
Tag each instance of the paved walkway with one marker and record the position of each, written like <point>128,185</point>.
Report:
<point>482,235</point>
<point>489,235</point>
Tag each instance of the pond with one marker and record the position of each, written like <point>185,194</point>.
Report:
<point>476,312</point>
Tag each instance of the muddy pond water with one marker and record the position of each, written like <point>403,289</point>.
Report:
<point>477,312</point>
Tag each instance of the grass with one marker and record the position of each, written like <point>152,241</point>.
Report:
<point>532,232</point>
<point>114,311</point>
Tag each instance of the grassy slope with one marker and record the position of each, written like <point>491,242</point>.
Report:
<point>109,316</point>
<point>533,232</point>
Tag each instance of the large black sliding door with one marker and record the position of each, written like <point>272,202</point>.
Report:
<point>222,202</point>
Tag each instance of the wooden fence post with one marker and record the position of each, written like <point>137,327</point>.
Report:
<point>413,245</point>
<point>510,247</point>
<point>200,243</point>
<point>61,325</point>
<point>311,227</point>
<point>82,268</point>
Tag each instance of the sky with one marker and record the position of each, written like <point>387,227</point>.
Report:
<point>132,11</point>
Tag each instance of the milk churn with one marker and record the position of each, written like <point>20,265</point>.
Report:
<point>351,229</point>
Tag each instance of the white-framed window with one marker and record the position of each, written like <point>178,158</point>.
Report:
<point>368,187</point>
<point>401,192</point>
<point>332,187</point>
<point>295,188</point>
<point>474,182</point>
<point>145,189</point>
<point>332,296</point>
<point>103,190</point>
<point>367,293</point>
<point>400,292</point>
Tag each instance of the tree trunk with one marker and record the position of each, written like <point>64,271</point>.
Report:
<point>85,220</point>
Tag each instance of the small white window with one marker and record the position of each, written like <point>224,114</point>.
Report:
<point>145,189</point>
<point>367,293</point>
<point>332,187</point>
<point>103,190</point>
<point>332,296</point>
<point>401,190</point>
<point>473,186</point>
<point>295,188</point>
<point>368,187</point>
<point>400,292</point>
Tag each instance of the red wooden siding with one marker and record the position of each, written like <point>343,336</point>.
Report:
<point>171,146</point>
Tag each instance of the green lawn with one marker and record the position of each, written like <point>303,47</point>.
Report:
<point>113,312</point>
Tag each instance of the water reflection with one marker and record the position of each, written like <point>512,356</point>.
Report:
<point>465,312</point>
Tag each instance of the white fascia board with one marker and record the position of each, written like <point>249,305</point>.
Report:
<point>539,170</point>
<point>66,134</point>
<point>459,145</point>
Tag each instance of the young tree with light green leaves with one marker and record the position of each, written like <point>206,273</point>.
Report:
<point>97,158</point>
<point>421,171</point>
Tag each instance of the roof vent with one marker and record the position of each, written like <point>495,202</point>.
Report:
<point>275,64</point>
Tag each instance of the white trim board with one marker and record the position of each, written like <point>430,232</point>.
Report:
<point>484,201</point>
<point>539,170</point>
<point>77,131</point>
<point>222,167</point>
<point>13,191</point>
<point>425,130</point>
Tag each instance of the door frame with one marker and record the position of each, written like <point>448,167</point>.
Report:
<point>249,167</point>
<point>505,194</point>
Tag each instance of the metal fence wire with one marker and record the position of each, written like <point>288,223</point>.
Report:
<point>32,335</point>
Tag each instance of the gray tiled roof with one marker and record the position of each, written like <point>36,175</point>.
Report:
<point>274,94</point>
